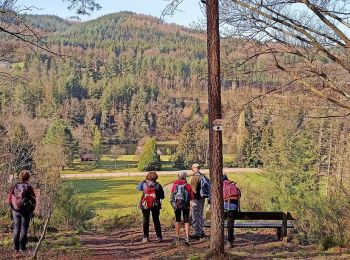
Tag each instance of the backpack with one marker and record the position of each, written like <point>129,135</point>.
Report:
<point>149,200</point>
<point>180,198</point>
<point>231,190</point>
<point>21,198</point>
<point>205,185</point>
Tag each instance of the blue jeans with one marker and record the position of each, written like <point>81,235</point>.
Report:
<point>21,225</point>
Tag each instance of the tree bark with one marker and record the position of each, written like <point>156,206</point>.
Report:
<point>215,137</point>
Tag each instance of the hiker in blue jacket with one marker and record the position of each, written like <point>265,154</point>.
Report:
<point>152,194</point>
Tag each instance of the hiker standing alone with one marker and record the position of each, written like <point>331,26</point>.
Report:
<point>181,196</point>
<point>152,194</point>
<point>22,202</point>
<point>201,188</point>
<point>232,195</point>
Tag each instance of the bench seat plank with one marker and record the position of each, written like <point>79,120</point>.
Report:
<point>260,225</point>
<point>255,225</point>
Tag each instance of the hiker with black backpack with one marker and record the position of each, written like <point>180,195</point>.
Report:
<point>22,202</point>
<point>180,198</point>
<point>201,188</point>
<point>232,195</point>
<point>152,194</point>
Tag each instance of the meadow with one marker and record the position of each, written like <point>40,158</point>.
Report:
<point>115,200</point>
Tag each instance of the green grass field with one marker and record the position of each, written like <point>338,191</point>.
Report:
<point>117,197</point>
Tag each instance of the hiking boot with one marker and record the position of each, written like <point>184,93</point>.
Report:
<point>187,241</point>
<point>160,240</point>
<point>229,244</point>
<point>176,241</point>
<point>145,240</point>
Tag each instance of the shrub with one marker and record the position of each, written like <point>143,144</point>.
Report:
<point>324,220</point>
<point>71,210</point>
<point>149,160</point>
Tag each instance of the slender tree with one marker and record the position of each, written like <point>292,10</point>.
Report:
<point>215,137</point>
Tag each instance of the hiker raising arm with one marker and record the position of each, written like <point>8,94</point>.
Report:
<point>152,194</point>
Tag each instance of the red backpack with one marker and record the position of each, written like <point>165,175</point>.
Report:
<point>231,190</point>
<point>21,198</point>
<point>149,199</point>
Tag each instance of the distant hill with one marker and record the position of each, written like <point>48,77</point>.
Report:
<point>49,23</point>
<point>127,30</point>
<point>144,44</point>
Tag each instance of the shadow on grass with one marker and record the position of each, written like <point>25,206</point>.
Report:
<point>101,185</point>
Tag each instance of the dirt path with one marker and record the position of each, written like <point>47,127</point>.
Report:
<point>126,174</point>
<point>126,244</point>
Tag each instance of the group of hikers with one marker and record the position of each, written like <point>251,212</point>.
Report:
<point>185,197</point>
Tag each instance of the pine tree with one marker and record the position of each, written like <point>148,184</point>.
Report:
<point>97,144</point>
<point>192,147</point>
<point>249,155</point>
<point>60,134</point>
<point>149,160</point>
<point>19,150</point>
<point>196,109</point>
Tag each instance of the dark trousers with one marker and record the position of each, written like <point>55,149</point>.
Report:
<point>230,217</point>
<point>21,225</point>
<point>156,221</point>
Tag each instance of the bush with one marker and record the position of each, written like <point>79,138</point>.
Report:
<point>71,210</point>
<point>149,160</point>
<point>324,221</point>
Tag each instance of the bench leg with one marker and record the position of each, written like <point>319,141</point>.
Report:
<point>279,233</point>
<point>284,227</point>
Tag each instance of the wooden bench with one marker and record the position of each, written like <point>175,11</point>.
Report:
<point>281,227</point>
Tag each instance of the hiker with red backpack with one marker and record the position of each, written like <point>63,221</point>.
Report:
<point>152,194</point>
<point>232,195</point>
<point>180,198</point>
<point>22,201</point>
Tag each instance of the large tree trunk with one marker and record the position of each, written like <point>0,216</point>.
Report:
<point>215,137</point>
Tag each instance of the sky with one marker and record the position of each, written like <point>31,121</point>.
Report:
<point>189,9</point>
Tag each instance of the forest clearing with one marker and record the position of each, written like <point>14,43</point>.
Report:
<point>174,129</point>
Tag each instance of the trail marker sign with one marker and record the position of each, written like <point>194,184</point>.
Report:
<point>217,124</point>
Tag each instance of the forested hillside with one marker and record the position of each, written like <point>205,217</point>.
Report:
<point>86,88</point>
